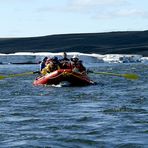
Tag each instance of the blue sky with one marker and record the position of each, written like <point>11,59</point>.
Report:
<point>25,18</point>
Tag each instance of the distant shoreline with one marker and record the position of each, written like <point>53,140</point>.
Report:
<point>130,42</point>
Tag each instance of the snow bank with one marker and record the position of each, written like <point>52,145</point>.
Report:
<point>31,58</point>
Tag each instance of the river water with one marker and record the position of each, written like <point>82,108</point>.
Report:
<point>111,114</point>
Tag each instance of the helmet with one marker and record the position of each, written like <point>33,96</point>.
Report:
<point>75,57</point>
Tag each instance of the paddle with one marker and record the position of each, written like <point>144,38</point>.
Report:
<point>18,75</point>
<point>127,76</point>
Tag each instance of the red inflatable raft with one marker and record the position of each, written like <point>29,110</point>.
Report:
<point>58,76</point>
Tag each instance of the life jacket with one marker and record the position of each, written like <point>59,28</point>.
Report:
<point>46,69</point>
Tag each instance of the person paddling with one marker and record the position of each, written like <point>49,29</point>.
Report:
<point>77,65</point>
<point>51,65</point>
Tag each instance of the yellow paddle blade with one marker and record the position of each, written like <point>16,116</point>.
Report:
<point>131,76</point>
<point>2,77</point>
<point>20,74</point>
<point>127,76</point>
<point>15,75</point>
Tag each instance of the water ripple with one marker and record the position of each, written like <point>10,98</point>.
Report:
<point>111,114</point>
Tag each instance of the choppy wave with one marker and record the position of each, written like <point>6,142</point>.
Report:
<point>32,58</point>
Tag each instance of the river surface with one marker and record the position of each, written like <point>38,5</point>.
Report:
<point>111,114</point>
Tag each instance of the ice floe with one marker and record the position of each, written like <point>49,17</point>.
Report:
<point>122,58</point>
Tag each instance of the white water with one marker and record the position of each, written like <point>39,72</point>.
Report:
<point>30,57</point>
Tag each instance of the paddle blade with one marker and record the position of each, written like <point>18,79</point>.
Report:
<point>2,77</point>
<point>16,75</point>
<point>131,76</point>
<point>20,74</point>
<point>127,76</point>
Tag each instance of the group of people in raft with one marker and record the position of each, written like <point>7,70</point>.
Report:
<point>51,64</point>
